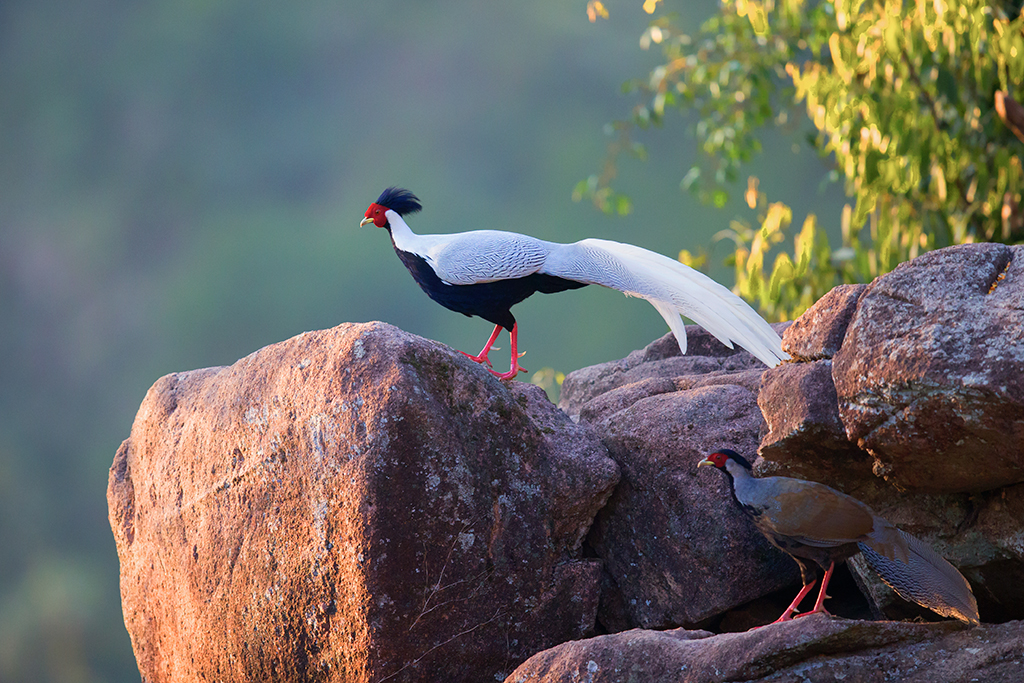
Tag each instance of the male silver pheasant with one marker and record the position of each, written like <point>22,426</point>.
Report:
<point>486,272</point>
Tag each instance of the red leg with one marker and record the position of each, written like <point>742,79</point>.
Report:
<point>515,369</point>
<point>788,614</point>
<point>482,356</point>
<point>819,604</point>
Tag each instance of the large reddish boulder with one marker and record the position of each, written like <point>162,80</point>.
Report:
<point>354,504</point>
<point>930,376</point>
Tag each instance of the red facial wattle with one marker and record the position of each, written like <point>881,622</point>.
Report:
<point>718,459</point>
<point>376,214</point>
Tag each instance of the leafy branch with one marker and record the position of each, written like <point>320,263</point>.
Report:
<point>909,99</point>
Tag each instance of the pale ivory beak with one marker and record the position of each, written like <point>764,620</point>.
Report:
<point>365,221</point>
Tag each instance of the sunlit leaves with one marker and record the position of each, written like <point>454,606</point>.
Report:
<point>596,10</point>
<point>550,380</point>
<point>732,73</point>
<point>906,108</point>
<point>903,96</point>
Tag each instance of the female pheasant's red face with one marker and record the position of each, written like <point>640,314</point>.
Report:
<point>376,214</point>
<point>716,459</point>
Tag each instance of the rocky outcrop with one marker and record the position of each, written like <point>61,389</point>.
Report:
<point>658,368</point>
<point>920,373</point>
<point>360,504</point>
<point>812,649</point>
<point>356,504</point>
<point>931,355</point>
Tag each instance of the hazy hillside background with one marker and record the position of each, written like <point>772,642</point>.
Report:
<point>182,183</point>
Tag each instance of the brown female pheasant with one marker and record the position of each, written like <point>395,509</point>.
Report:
<point>811,521</point>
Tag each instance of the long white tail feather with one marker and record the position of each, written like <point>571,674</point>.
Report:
<point>703,300</point>
<point>675,323</point>
<point>673,289</point>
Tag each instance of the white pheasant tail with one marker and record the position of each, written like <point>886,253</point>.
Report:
<point>673,289</point>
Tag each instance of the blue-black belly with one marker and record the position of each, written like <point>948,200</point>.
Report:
<point>491,301</point>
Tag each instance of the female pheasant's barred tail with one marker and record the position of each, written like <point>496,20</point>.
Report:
<point>673,289</point>
<point>927,579</point>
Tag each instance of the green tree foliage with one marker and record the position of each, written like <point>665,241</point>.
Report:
<point>913,101</point>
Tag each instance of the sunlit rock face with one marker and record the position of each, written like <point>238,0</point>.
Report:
<point>930,375</point>
<point>352,505</point>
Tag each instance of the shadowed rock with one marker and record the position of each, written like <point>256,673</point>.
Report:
<point>813,649</point>
<point>667,535</point>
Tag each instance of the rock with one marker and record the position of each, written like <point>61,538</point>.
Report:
<point>622,397</point>
<point>353,504</point>
<point>817,648</point>
<point>820,331</point>
<point>805,437</point>
<point>705,356</point>
<point>659,412</point>
<point>930,376</point>
<point>676,548</point>
<point>992,545</point>
<point>907,378</point>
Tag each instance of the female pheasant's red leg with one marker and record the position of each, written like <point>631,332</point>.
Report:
<point>482,356</point>
<point>515,369</point>
<point>819,604</point>
<point>788,614</point>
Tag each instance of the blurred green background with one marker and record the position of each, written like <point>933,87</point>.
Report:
<point>181,183</point>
